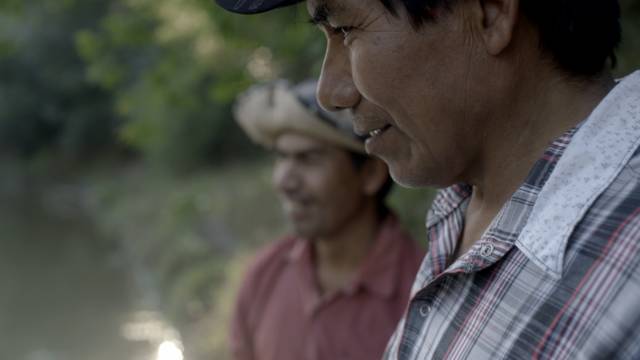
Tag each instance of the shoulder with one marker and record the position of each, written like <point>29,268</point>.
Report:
<point>620,200</point>
<point>260,279</point>
<point>269,259</point>
<point>633,166</point>
<point>409,251</point>
<point>257,284</point>
<point>611,225</point>
<point>412,252</point>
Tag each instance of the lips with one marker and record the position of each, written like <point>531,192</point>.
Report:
<point>363,129</point>
<point>296,205</point>
<point>380,141</point>
<point>370,121</point>
<point>369,124</point>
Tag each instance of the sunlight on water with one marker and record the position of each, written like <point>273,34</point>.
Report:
<point>151,328</point>
<point>169,350</point>
<point>148,326</point>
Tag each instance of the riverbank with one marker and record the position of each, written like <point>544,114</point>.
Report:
<point>179,244</point>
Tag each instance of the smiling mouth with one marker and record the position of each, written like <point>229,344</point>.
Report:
<point>377,132</point>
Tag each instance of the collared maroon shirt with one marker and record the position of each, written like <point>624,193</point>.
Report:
<point>280,314</point>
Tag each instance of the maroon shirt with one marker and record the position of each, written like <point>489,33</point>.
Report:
<point>280,314</point>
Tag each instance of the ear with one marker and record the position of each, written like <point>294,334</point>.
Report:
<point>499,18</point>
<point>374,175</point>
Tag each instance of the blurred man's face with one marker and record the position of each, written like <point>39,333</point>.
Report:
<point>320,189</point>
<point>414,92</point>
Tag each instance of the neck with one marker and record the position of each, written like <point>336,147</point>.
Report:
<point>516,139</point>
<point>338,257</point>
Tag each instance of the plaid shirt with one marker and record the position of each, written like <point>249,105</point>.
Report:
<point>557,273</point>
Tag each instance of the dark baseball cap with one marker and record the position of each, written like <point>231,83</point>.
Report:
<point>254,6</point>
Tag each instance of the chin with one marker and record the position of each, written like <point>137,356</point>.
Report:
<point>403,181</point>
<point>414,177</point>
<point>303,231</point>
<point>404,175</point>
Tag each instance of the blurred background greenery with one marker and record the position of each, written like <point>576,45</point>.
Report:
<point>130,202</point>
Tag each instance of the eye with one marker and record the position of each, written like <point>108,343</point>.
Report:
<point>309,157</point>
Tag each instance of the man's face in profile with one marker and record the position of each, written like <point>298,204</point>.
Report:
<point>413,90</point>
<point>317,183</point>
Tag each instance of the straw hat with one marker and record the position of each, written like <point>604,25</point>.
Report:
<point>266,111</point>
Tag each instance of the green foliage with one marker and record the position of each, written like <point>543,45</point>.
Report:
<point>629,54</point>
<point>175,68</point>
<point>45,101</point>
<point>155,76</point>
<point>411,205</point>
<point>158,77</point>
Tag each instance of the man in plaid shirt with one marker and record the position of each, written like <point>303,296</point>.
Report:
<point>510,107</point>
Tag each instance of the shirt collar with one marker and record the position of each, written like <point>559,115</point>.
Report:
<point>378,271</point>
<point>446,202</point>
<point>561,186</point>
<point>501,235</point>
<point>598,151</point>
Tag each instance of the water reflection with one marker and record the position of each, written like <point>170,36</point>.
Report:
<point>149,327</point>
<point>66,292</point>
<point>170,350</point>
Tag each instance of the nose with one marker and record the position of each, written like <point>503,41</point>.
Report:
<point>285,179</point>
<point>336,89</point>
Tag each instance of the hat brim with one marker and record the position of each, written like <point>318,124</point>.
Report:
<point>254,6</point>
<point>268,111</point>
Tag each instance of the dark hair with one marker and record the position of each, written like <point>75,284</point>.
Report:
<point>358,161</point>
<point>580,35</point>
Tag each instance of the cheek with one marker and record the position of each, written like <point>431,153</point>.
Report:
<point>336,193</point>
<point>328,190</point>
<point>375,64</point>
<point>277,178</point>
<point>393,74</point>
<point>319,186</point>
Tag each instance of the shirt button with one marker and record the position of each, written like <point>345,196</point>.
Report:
<point>425,310</point>
<point>486,250</point>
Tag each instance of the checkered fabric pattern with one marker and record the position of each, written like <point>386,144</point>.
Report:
<point>496,302</point>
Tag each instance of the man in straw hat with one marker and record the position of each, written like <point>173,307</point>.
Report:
<point>511,108</point>
<point>337,286</point>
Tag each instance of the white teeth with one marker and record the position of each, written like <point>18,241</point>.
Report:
<point>375,132</point>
